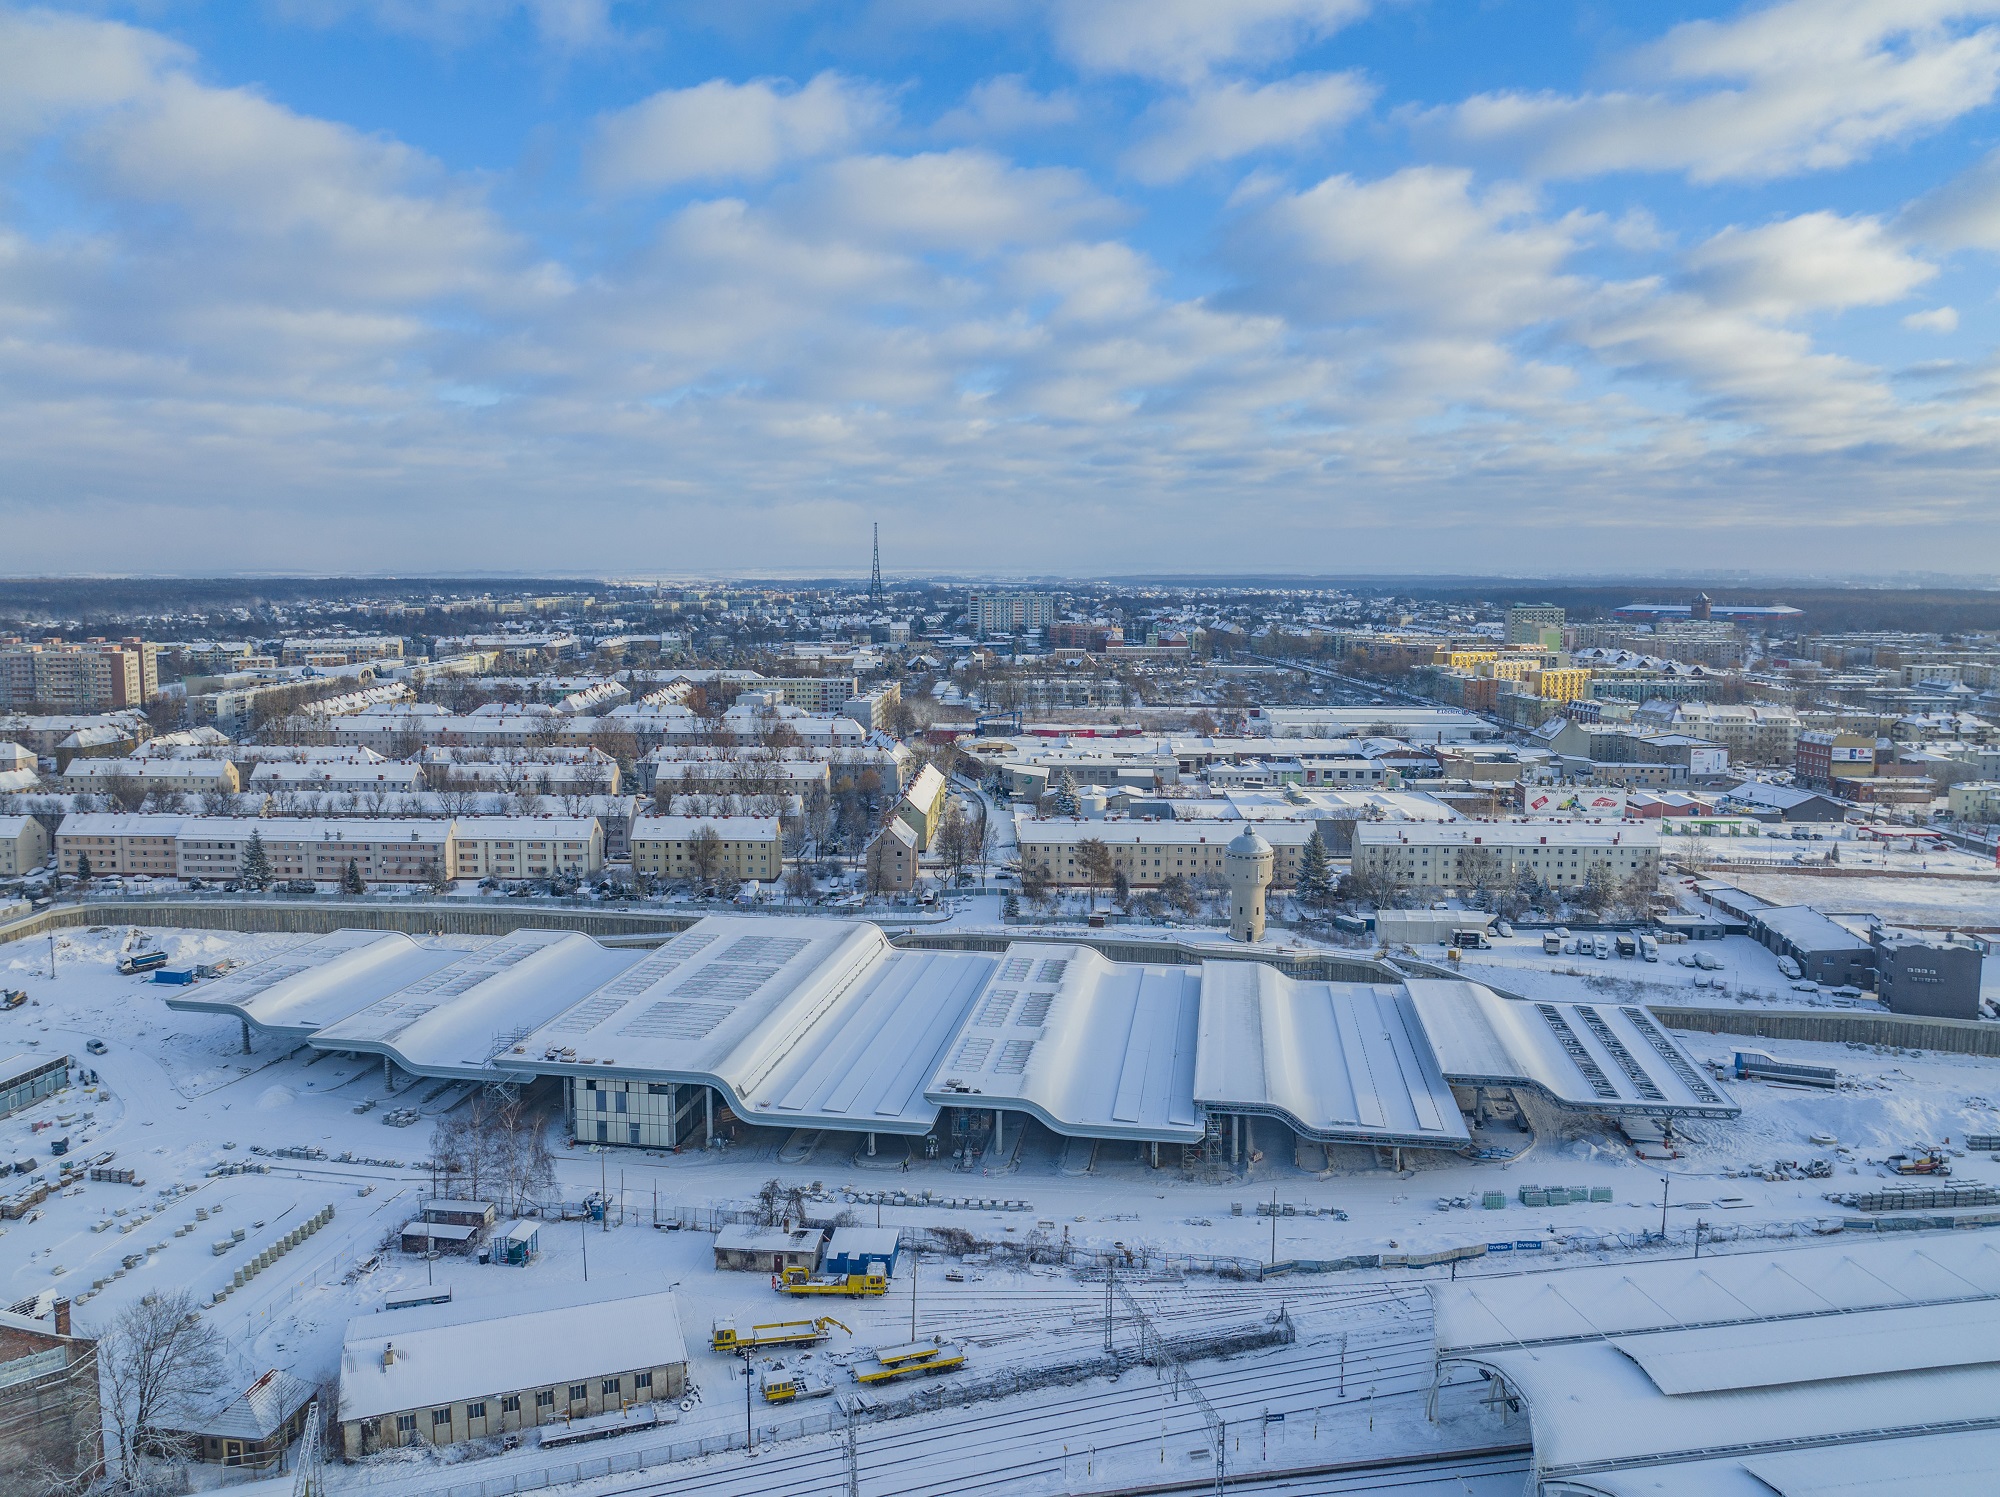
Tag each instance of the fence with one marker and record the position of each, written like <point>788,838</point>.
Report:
<point>1839,1027</point>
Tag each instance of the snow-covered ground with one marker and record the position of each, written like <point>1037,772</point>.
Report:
<point>1921,901</point>
<point>1745,972</point>
<point>176,1095</point>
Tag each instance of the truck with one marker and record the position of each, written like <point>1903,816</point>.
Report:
<point>1649,948</point>
<point>1627,945</point>
<point>912,1359</point>
<point>13,998</point>
<point>142,961</point>
<point>724,1334</point>
<point>1469,939</point>
<point>800,1280</point>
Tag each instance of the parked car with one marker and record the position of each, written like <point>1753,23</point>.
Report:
<point>96,1047</point>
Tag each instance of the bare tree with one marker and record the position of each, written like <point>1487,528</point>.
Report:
<point>705,854</point>
<point>157,1356</point>
<point>1093,861</point>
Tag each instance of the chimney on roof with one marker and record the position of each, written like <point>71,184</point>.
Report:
<point>62,1317</point>
<point>389,1354</point>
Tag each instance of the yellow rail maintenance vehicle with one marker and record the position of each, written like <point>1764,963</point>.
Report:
<point>853,1285</point>
<point>913,1359</point>
<point>788,1384</point>
<point>725,1336</point>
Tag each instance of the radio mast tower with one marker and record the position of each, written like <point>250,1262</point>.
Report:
<point>875,575</point>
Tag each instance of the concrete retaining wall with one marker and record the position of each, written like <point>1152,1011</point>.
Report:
<point>1838,1027</point>
<point>316,917</point>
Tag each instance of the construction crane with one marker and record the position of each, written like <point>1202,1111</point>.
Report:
<point>724,1336</point>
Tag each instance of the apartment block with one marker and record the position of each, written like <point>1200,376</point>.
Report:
<point>1494,854</point>
<point>752,847</point>
<point>527,847</point>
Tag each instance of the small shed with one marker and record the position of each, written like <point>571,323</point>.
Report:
<point>437,1237</point>
<point>864,1250</point>
<point>768,1249</point>
<point>479,1214</point>
<point>519,1244</point>
<point>250,1428</point>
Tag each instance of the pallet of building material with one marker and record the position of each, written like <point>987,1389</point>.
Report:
<point>1982,1143</point>
<point>1927,1198</point>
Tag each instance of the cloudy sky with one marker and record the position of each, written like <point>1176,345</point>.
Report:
<point>1074,286</point>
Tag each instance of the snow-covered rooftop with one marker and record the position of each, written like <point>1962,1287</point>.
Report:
<point>317,982</point>
<point>1091,1048</point>
<point>800,1023</point>
<point>1340,1062</point>
<point>462,1019</point>
<point>1597,1057</point>
<point>531,1337</point>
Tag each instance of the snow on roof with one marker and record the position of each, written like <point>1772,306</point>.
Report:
<point>1115,833</point>
<point>524,828</point>
<point>1560,832</point>
<point>462,1019</point>
<point>1807,929</point>
<point>1607,1057</point>
<point>684,828</point>
<point>807,1022</point>
<point>1626,1298</point>
<point>1340,1062</point>
<point>314,983</point>
<point>1753,1354</point>
<point>747,1237</point>
<point>1091,1048</point>
<point>256,1413</point>
<point>530,1337</point>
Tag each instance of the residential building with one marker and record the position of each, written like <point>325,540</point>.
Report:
<point>92,676</point>
<point>1148,853</point>
<point>123,846</point>
<point>1009,613</point>
<point>818,694</point>
<point>526,847</point>
<point>444,1374</point>
<point>922,805</point>
<point>1826,756</point>
<point>1752,734</point>
<point>875,709</point>
<point>340,649</point>
<point>1498,854</point>
<point>164,776</point>
<point>319,849</point>
<point>892,859</point>
<point>24,846</point>
<point>748,847</point>
<point>1532,624</point>
<point>350,776</point>
<point>1975,801</point>
<point>49,1406</point>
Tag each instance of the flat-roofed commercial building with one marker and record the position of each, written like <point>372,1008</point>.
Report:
<point>527,847</point>
<point>1495,854</point>
<point>444,1374</point>
<point>747,847</point>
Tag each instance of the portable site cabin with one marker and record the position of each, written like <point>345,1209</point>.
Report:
<point>26,1079</point>
<point>768,1249</point>
<point>864,1250</point>
<point>476,1214</point>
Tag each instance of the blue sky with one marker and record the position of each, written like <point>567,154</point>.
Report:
<point>1041,285</point>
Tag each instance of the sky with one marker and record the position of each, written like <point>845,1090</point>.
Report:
<point>1040,286</point>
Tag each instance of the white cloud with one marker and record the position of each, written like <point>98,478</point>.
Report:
<point>570,25</point>
<point>1419,247</point>
<point>1810,262</point>
<point>1805,85</point>
<point>719,131</point>
<point>1933,320</point>
<point>968,200</point>
<point>1221,122</point>
<point>52,66</point>
<point>1007,106</point>
<point>1962,214</point>
<point>1184,39</point>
